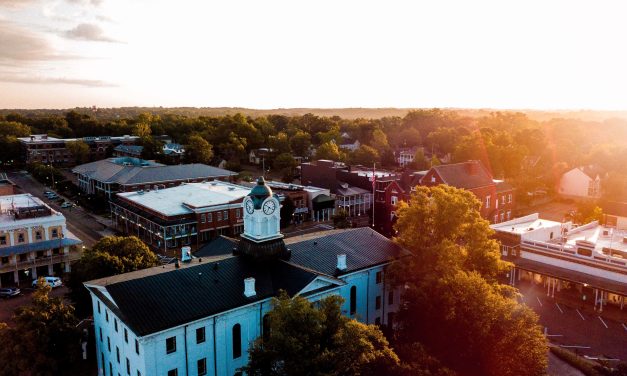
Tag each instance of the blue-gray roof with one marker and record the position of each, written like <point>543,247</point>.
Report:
<point>38,246</point>
<point>132,149</point>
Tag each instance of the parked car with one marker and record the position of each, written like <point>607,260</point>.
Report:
<point>51,281</point>
<point>48,193</point>
<point>9,292</point>
<point>66,204</point>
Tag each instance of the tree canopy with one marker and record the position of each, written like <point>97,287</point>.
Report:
<point>198,150</point>
<point>453,303</point>
<point>305,340</point>
<point>44,340</point>
<point>111,255</point>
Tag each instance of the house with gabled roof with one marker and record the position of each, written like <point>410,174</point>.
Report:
<point>583,182</point>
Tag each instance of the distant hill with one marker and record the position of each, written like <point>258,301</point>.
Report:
<point>346,113</point>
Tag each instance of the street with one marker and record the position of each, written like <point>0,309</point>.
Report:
<point>81,223</point>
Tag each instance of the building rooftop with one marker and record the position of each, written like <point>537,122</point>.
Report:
<point>468,175</point>
<point>186,198</point>
<point>24,208</point>
<point>162,297</point>
<point>525,224</point>
<point>44,138</point>
<point>127,170</point>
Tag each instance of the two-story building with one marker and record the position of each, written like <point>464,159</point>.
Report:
<point>34,241</point>
<point>126,174</point>
<point>200,316</point>
<point>582,182</point>
<point>187,215</point>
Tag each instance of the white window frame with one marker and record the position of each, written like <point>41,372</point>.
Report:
<point>487,201</point>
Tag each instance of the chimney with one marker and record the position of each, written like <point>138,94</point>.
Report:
<point>249,287</point>
<point>472,167</point>
<point>341,262</point>
<point>186,254</point>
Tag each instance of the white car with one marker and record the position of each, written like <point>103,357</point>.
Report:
<point>51,281</point>
<point>66,205</point>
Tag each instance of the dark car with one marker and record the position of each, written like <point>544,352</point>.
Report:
<point>8,292</point>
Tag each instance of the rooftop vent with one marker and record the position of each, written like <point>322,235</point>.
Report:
<point>249,287</point>
<point>341,262</point>
<point>625,239</point>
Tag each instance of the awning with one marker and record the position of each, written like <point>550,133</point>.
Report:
<point>323,201</point>
<point>38,246</point>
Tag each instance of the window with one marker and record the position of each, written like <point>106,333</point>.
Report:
<point>103,363</point>
<point>115,324</point>
<point>110,369</point>
<point>98,303</point>
<point>219,216</point>
<point>378,277</point>
<point>265,330</point>
<point>38,235</point>
<point>202,218</point>
<point>125,335</point>
<point>3,240</point>
<point>377,302</point>
<point>139,373</point>
<point>201,365</point>
<point>100,330</point>
<point>209,217</point>
<point>390,297</point>
<point>137,347</point>
<point>487,201</point>
<point>509,214</point>
<point>353,300</point>
<point>107,315</point>
<point>509,198</point>
<point>108,343</point>
<point>503,199</point>
<point>496,218</point>
<point>237,213</point>
<point>502,217</point>
<point>117,353</point>
<point>432,178</point>
<point>394,200</point>
<point>377,321</point>
<point>200,335</point>
<point>55,233</point>
<point>170,345</point>
<point>5,260</point>
<point>226,214</point>
<point>237,341</point>
<point>20,238</point>
<point>173,372</point>
<point>128,366</point>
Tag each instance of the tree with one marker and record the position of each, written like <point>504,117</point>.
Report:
<point>151,148</point>
<point>420,162</point>
<point>44,341</point>
<point>364,155</point>
<point>286,164</point>
<point>329,150</point>
<point>300,144</point>
<point>79,150</point>
<point>305,340</point>
<point>198,150</point>
<point>379,141</point>
<point>142,130</point>
<point>479,330</point>
<point>111,255</point>
<point>340,219</point>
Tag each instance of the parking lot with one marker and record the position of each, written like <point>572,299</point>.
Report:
<point>9,305</point>
<point>578,327</point>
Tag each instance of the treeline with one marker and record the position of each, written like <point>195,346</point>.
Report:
<point>530,153</point>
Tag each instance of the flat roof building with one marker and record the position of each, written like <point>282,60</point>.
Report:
<point>34,241</point>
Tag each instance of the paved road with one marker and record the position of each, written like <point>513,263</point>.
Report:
<point>568,325</point>
<point>8,306</point>
<point>79,222</point>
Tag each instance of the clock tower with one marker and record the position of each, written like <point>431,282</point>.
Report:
<point>262,215</point>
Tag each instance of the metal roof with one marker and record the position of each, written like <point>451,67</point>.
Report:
<point>38,246</point>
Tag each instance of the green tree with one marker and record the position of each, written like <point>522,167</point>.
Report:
<point>340,219</point>
<point>44,340</point>
<point>329,150</point>
<point>305,340</point>
<point>79,150</point>
<point>286,164</point>
<point>15,129</point>
<point>379,141</point>
<point>151,148</point>
<point>111,255</point>
<point>142,130</point>
<point>300,143</point>
<point>364,155</point>
<point>420,162</point>
<point>198,150</point>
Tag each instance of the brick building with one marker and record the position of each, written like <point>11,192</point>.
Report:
<point>187,215</point>
<point>40,148</point>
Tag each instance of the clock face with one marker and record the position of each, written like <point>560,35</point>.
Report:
<point>250,208</point>
<point>269,207</point>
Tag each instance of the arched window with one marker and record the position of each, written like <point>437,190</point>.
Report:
<point>265,329</point>
<point>353,300</point>
<point>237,341</point>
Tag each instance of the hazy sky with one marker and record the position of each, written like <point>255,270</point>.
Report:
<point>271,54</point>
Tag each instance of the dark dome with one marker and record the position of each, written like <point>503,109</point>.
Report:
<point>260,192</point>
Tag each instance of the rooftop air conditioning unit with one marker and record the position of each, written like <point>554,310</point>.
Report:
<point>625,239</point>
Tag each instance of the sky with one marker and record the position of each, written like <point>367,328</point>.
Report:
<point>323,54</point>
